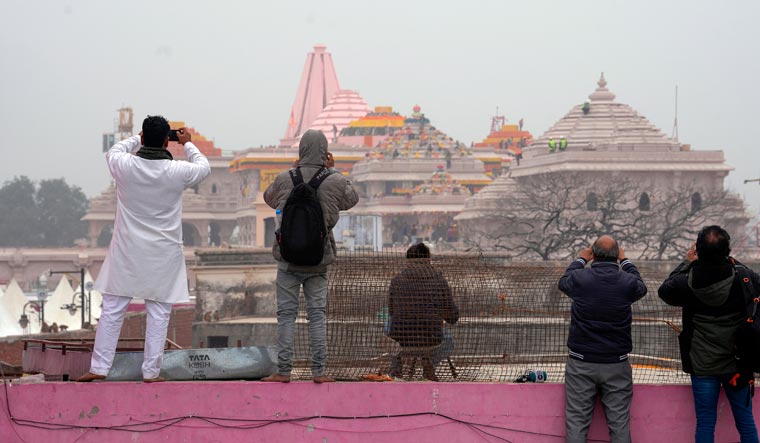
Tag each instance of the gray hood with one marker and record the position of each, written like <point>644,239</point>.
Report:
<point>335,194</point>
<point>312,149</point>
<point>715,294</point>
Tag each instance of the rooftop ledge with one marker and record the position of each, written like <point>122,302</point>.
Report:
<point>303,411</point>
<point>641,155</point>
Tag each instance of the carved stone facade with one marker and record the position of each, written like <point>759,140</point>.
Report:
<point>603,141</point>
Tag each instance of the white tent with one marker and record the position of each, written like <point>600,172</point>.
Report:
<point>8,323</point>
<point>62,295</point>
<point>96,299</point>
<point>13,303</point>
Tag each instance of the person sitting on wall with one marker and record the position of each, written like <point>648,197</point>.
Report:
<point>419,301</point>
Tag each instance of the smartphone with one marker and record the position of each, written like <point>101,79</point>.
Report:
<point>173,135</point>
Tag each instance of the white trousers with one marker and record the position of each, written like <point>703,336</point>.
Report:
<point>109,328</point>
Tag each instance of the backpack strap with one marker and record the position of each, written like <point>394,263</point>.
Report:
<point>748,288</point>
<point>296,176</point>
<point>319,177</point>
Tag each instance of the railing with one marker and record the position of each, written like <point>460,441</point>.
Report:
<point>512,318</point>
<point>87,344</point>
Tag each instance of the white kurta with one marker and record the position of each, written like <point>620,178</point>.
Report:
<point>145,259</point>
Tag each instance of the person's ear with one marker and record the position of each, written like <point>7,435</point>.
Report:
<point>142,139</point>
<point>166,142</point>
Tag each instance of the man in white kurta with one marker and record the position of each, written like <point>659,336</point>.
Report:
<point>145,259</point>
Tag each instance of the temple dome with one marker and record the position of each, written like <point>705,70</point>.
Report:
<point>319,83</point>
<point>497,195</point>
<point>418,138</point>
<point>343,108</point>
<point>441,183</point>
<point>607,126</point>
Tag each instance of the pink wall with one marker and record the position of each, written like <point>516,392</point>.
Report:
<point>660,413</point>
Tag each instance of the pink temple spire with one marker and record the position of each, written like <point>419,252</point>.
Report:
<point>319,83</point>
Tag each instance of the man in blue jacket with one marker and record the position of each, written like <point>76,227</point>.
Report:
<point>600,338</point>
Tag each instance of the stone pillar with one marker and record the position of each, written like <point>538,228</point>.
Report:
<point>225,230</point>
<point>258,240</point>
<point>93,232</point>
<point>263,211</point>
<point>202,227</point>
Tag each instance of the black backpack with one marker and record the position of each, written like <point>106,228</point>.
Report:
<point>748,334</point>
<point>302,234</point>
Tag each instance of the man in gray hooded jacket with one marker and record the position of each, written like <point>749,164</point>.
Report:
<point>335,194</point>
<point>709,285</point>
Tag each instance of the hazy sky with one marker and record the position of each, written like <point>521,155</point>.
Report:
<point>231,69</point>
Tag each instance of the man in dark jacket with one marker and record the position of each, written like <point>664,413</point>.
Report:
<point>600,338</point>
<point>709,285</point>
<point>335,194</point>
<point>419,301</point>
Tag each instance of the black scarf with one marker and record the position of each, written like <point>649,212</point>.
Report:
<point>154,153</point>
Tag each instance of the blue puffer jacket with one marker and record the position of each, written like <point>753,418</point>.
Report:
<point>600,325</point>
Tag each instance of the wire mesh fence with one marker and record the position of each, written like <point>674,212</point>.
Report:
<point>461,318</point>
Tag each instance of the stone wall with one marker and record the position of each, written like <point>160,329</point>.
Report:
<point>230,284</point>
<point>233,283</point>
<point>410,412</point>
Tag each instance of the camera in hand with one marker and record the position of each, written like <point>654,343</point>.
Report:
<point>173,135</point>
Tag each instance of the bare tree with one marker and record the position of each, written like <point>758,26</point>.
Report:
<point>552,216</point>
<point>539,221</point>
<point>675,218</point>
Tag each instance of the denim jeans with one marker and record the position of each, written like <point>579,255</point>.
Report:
<point>315,291</point>
<point>444,350</point>
<point>706,390</point>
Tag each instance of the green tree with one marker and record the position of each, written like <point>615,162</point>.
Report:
<point>45,216</point>
<point>19,216</point>
<point>61,208</point>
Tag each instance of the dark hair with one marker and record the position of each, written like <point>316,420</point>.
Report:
<point>155,130</point>
<point>605,254</point>
<point>713,244</point>
<point>418,251</point>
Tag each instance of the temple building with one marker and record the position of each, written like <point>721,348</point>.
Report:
<point>506,141</point>
<point>209,210</point>
<point>392,187</point>
<point>596,144</point>
<point>417,180</point>
<point>254,169</point>
<point>319,84</point>
<point>373,128</point>
<point>320,104</point>
<point>342,109</point>
<point>409,172</point>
